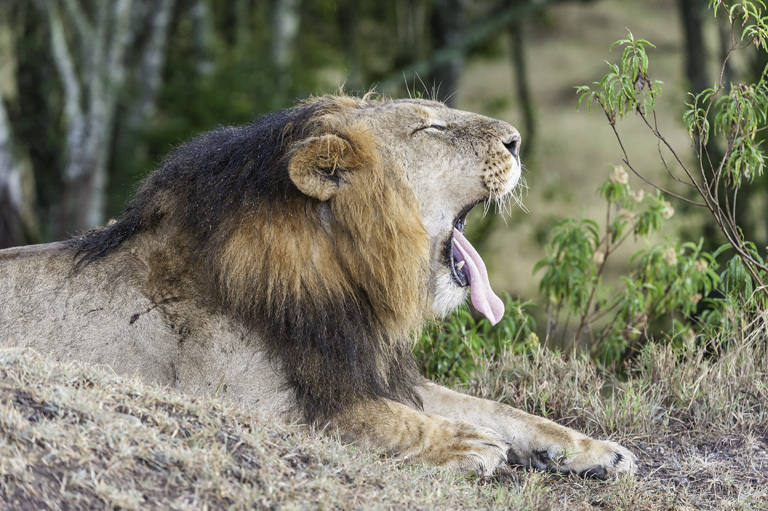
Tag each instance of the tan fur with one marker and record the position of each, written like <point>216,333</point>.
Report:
<point>423,437</point>
<point>294,286</point>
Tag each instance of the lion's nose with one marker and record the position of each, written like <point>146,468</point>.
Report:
<point>513,144</point>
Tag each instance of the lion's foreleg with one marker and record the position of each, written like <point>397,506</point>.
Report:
<point>408,433</point>
<point>534,441</point>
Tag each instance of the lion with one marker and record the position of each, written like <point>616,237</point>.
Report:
<point>286,265</point>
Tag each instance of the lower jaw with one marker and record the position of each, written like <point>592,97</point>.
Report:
<point>447,295</point>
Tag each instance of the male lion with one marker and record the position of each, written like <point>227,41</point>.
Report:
<point>286,265</point>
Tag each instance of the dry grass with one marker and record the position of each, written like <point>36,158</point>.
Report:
<point>697,417</point>
<point>77,437</point>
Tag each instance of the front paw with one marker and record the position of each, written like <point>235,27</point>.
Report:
<point>466,448</point>
<point>584,456</point>
<point>603,459</point>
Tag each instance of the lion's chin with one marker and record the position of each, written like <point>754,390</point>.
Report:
<point>447,295</point>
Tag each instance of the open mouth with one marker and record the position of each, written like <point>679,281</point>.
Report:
<point>468,269</point>
<point>457,263</point>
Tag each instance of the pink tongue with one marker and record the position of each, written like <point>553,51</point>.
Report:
<point>483,297</point>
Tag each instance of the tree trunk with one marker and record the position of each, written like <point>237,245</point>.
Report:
<point>18,222</point>
<point>203,36</point>
<point>90,94</point>
<point>410,20</point>
<point>517,39</point>
<point>285,26</point>
<point>692,14</point>
<point>10,177</point>
<point>10,187</point>
<point>347,15</point>
<point>151,63</point>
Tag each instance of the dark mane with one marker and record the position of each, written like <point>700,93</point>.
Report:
<point>215,173</point>
<point>223,208</point>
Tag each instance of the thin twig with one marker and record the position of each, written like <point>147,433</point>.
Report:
<point>679,161</point>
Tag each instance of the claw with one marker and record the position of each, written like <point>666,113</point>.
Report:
<point>598,472</point>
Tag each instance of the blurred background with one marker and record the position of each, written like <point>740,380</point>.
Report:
<point>95,93</point>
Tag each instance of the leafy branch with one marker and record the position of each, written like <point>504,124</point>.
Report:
<point>670,289</point>
<point>734,113</point>
<point>665,280</point>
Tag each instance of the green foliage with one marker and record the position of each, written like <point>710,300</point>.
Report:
<point>738,117</point>
<point>627,86</point>
<point>669,288</point>
<point>228,76</point>
<point>665,280</point>
<point>451,349</point>
<point>750,13</point>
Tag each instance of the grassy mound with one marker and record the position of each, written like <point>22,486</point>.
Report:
<point>79,437</point>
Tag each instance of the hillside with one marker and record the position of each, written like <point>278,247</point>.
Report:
<point>77,437</point>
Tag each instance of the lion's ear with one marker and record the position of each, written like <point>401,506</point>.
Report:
<point>317,167</point>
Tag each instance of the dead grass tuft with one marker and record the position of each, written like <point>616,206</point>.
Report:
<point>697,417</point>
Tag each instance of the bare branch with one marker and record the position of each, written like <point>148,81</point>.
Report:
<point>83,26</point>
<point>625,160</point>
<point>679,161</point>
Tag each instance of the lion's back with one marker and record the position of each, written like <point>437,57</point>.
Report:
<point>76,316</point>
<point>101,314</point>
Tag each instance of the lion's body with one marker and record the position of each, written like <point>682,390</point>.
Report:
<point>99,315</point>
<point>286,264</point>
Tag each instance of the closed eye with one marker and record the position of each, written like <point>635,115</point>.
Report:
<point>436,127</point>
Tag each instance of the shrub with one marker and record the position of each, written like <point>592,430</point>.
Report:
<point>670,285</point>
<point>671,290</point>
<point>451,349</point>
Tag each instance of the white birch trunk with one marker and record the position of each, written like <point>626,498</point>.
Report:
<point>285,23</point>
<point>152,63</point>
<point>18,223</point>
<point>10,187</point>
<point>90,100</point>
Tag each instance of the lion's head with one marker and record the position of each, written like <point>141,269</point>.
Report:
<point>331,229</point>
<point>452,160</point>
